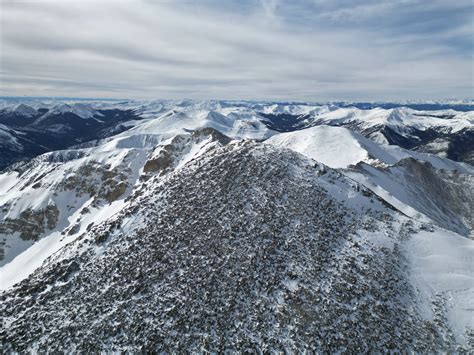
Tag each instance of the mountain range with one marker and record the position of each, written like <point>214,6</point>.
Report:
<point>217,226</point>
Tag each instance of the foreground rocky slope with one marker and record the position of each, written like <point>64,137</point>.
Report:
<point>52,199</point>
<point>246,247</point>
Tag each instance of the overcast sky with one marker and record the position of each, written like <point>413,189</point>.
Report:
<point>238,49</point>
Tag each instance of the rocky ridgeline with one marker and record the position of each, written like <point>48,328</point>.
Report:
<point>445,196</point>
<point>245,248</point>
<point>61,178</point>
<point>166,156</point>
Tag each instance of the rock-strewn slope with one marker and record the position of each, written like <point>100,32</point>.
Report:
<point>57,195</point>
<point>247,247</point>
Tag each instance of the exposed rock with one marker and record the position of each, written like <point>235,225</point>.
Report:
<point>116,191</point>
<point>159,163</point>
<point>31,224</point>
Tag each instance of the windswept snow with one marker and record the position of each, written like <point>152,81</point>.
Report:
<point>332,146</point>
<point>442,265</point>
<point>339,147</point>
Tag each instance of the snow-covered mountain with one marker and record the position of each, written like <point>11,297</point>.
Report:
<point>216,225</point>
<point>447,133</point>
<point>47,126</point>
<point>34,131</point>
<point>423,186</point>
<point>324,143</point>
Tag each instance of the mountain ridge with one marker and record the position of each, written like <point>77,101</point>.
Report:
<point>202,228</point>
<point>193,299</point>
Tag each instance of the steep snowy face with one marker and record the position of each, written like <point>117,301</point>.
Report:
<point>55,197</point>
<point>10,145</point>
<point>8,139</point>
<point>423,192</point>
<point>245,247</point>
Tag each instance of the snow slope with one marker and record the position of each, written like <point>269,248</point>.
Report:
<point>8,138</point>
<point>339,147</point>
<point>442,268</point>
<point>333,146</point>
<point>423,192</point>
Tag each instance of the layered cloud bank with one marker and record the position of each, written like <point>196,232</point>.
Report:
<point>318,50</point>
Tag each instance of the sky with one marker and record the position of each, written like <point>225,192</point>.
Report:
<point>314,50</point>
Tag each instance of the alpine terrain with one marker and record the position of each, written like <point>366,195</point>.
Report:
<point>240,226</point>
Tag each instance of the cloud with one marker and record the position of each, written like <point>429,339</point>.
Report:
<point>250,49</point>
<point>269,8</point>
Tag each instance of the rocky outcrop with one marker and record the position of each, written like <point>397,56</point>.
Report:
<point>164,156</point>
<point>450,193</point>
<point>31,224</point>
<point>97,180</point>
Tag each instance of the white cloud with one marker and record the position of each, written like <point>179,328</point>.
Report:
<point>169,50</point>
